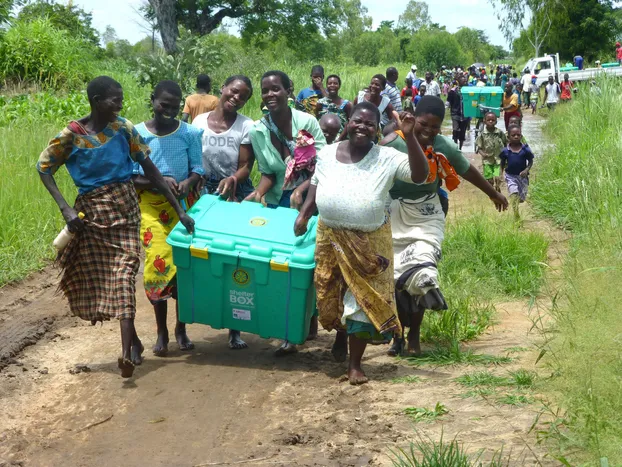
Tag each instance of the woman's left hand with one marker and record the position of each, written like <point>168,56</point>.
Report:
<point>295,201</point>
<point>407,124</point>
<point>187,222</point>
<point>300,226</point>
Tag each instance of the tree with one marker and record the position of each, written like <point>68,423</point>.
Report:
<point>415,16</point>
<point>69,18</point>
<point>296,20</point>
<point>109,35</point>
<point>475,43</point>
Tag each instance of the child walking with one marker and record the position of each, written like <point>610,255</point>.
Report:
<point>176,152</point>
<point>516,162</point>
<point>490,143</point>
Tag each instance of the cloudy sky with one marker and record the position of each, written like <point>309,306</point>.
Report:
<point>451,13</point>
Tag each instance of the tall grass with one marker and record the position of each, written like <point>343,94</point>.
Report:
<point>483,259</point>
<point>579,185</point>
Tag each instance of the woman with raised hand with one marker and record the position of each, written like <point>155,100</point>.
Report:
<point>176,152</point>
<point>227,151</point>
<point>285,171</point>
<point>354,251</point>
<point>100,263</point>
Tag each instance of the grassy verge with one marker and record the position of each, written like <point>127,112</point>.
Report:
<point>579,185</point>
<point>484,259</point>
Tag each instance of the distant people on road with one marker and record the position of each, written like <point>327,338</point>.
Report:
<point>526,82</point>
<point>566,87</point>
<point>458,120</point>
<point>619,53</point>
<point>201,101</point>
<point>433,89</point>
<point>551,93</point>
<point>578,62</point>
<point>534,94</point>
<point>510,104</point>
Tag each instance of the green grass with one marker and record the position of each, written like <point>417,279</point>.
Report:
<point>579,186</point>
<point>481,378</point>
<point>455,355</point>
<point>483,259</point>
<point>426,452</point>
<point>423,414</point>
<point>517,400</point>
<point>408,379</point>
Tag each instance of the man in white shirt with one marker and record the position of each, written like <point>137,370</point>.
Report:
<point>551,93</point>
<point>412,74</point>
<point>432,87</point>
<point>526,82</point>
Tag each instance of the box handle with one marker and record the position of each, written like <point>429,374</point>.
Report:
<point>199,252</point>
<point>283,267</point>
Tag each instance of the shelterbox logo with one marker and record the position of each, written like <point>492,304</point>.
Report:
<point>242,298</point>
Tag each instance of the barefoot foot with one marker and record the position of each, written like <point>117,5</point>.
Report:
<point>285,349</point>
<point>357,376</point>
<point>126,366</point>
<point>137,352</point>
<point>340,347</point>
<point>183,341</point>
<point>160,349</point>
<point>235,341</point>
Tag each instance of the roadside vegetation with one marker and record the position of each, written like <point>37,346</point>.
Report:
<point>579,186</point>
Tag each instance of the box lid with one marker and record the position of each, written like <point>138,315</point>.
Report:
<point>247,230</point>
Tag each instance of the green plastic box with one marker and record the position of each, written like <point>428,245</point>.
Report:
<point>243,268</point>
<point>474,96</point>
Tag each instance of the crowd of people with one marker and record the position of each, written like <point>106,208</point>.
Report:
<point>375,169</point>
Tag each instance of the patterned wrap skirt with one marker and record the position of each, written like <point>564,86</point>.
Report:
<point>360,263</point>
<point>101,261</point>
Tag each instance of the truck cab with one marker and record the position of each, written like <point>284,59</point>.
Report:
<point>543,67</point>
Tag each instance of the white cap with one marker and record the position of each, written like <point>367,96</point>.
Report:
<point>413,67</point>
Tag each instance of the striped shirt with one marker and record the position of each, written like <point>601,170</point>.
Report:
<point>177,154</point>
<point>391,91</point>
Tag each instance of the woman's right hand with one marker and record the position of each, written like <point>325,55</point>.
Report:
<point>300,226</point>
<point>255,197</point>
<point>407,124</point>
<point>74,223</point>
<point>228,186</point>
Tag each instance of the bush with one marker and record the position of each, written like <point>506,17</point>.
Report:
<point>37,52</point>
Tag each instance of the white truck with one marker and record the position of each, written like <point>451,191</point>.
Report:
<point>549,65</point>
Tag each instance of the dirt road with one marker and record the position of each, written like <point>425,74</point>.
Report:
<point>214,406</point>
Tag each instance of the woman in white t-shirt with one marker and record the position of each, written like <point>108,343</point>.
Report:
<point>354,249</point>
<point>227,152</point>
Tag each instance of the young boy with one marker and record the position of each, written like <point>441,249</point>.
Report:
<point>422,91</point>
<point>490,143</point>
<point>407,103</point>
<point>202,101</point>
<point>516,161</point>
<point>330,126</point>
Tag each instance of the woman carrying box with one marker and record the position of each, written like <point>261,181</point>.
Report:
<point>354,250</point>
<point>285,171</point>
